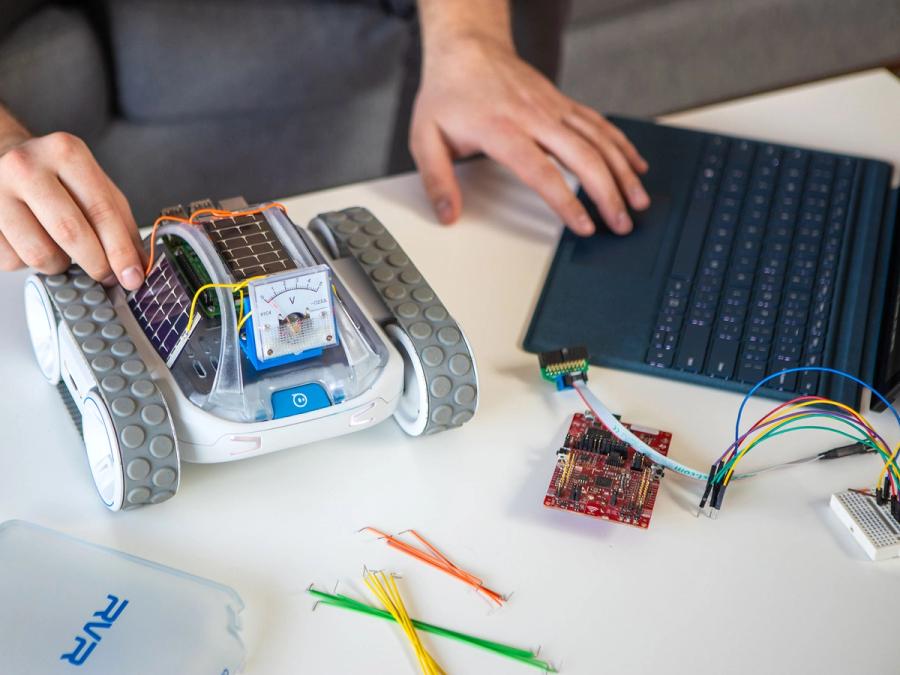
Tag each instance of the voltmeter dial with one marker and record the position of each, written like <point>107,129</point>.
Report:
<point>293,312</point>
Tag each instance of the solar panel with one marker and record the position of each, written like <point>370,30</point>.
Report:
<point>248,245</point>
<point>161,307</point>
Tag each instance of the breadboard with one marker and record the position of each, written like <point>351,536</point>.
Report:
<point>872,526</point>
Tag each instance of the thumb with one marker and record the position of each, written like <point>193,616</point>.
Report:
<point>435,163</point>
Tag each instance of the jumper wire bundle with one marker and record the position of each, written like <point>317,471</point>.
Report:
<point>384,588</point>
<point>809,413</point>
<point>517,654</point>
<point>439,561</point>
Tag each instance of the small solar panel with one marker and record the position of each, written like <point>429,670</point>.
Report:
<point>161,308</point>
<point>248,245</point>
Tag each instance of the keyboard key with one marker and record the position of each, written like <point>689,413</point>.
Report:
<point>760,333</point>
<point>729,331</point>
<point>669,322</point>
<point>660,358</point>
<point>785,382</point>
<point>815,344</point>
<point>677,288</point>
<point>692,348</point>
<point>692,234</point>
<point>808,383</point>
<point>722,358</point>
<point>786,352</point>
<point>751,371</point>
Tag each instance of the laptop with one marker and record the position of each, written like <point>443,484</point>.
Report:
<point>753,258</point>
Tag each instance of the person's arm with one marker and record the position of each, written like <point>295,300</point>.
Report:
<point>477,95</point>
<point>57,205</point>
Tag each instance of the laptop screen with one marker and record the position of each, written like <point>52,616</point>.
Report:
<point>887,365</point>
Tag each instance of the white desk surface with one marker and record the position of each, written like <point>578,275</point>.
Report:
<point>772,586</point>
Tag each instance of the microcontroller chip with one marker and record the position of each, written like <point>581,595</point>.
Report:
<point>598,475</point>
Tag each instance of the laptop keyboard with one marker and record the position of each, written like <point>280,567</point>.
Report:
<point>750,288</point>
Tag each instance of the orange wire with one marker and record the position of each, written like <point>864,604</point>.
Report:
<point>439,561</point>
<point>467,575</point>
<point>452,570</point>
<point>190,221</point>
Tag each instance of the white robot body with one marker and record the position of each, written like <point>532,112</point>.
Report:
<point>247,337</point>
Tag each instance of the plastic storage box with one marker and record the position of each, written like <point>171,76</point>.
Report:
<point>67,606</point>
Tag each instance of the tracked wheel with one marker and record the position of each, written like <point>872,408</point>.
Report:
<point>441,389</point>
<point>128,431</point>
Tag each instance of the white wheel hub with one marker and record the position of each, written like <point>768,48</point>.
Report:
<point>41,322</point>
<point>412,410</point>
<point>103,452</point>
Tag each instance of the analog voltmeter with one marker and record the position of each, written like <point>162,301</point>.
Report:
<point>292,313</point>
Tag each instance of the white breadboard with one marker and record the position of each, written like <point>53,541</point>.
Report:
<point>872,526</point>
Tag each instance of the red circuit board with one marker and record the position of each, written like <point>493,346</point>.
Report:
<point>598,475</point>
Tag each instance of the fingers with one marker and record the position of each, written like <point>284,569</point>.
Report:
<point>124,209</point>
<point>90,188</point>
<point>56,198</point>
<point>434,160</point>
<point>27,241</point>
<point>65,223</point>
<point>595,176</point>
<point>526,160</point>
<point>9,259</point>
<point>615,158</point>
<point>615,135</point>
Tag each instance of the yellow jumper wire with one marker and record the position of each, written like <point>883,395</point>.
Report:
<point>385,589</point>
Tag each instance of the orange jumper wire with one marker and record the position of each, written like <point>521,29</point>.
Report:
<point>219,213</point>
<point>439,561</point>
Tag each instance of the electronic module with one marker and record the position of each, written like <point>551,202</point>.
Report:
<point>598,475</point>
<point>292,316</point>
<point>611,470</point>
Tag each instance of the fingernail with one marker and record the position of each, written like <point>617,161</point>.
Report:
<point>444,211</point>
<point>132,277</point>
<point>639,198</point>
<point>585,225</point>
<point>623,223</point>
<point>110,281</point>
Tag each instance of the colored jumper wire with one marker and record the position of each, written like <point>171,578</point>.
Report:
<point>437,560</point>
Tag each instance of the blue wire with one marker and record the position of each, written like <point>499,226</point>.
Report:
<point>833,371</point>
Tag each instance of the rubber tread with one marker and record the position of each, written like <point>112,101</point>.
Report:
<point>449,365</point>
<point>123,380</point>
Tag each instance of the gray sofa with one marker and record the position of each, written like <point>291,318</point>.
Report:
<point>206,97</point>
<point>646,57</point>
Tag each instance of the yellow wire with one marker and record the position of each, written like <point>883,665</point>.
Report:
<point>385,589</point>
<point>375,585</point>
<point>237,286</point>
<point>797,406</point>
<point>887,465</point>
<point>825,401</point>
<point>204,287</point>
<point>379,588</point>
<point>243,320</point>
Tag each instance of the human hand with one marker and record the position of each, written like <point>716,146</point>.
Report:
<point>477,95</point>
<point>57,206</point>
